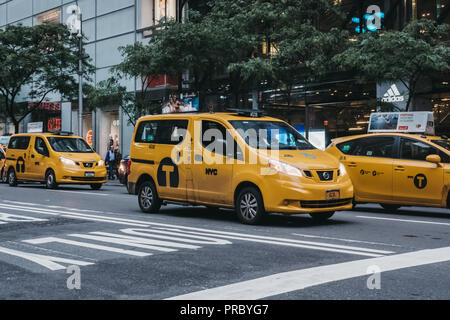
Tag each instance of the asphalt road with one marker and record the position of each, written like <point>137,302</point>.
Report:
<point>74,243</point>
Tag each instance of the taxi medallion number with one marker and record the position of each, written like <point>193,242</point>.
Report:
<point>332,195</point>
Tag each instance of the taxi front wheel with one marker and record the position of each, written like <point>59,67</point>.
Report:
<point>250,206</point>
<point>12,178</point>
<point>96,186</point>
<point>50,180</point>
<point>321,216</point>
<point>148,198</point>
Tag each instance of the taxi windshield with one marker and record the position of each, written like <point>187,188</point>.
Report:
<point>75,145</point>
<point>442,143</point>
<point>273,135</point>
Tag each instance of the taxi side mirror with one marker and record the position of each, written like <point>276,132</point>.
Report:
<point>433,158</point>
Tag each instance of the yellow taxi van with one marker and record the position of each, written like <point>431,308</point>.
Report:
<point>53,158</point>
<point>242,160</point>
<point>396,169</point>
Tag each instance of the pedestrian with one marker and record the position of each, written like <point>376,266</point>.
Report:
<point>110,161</point>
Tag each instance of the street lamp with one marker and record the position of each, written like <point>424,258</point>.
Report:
<point>74,22</point>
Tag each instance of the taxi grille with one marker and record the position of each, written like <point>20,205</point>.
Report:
<point>325,175</point>
<point>87,179</point>
<point>325,203</point>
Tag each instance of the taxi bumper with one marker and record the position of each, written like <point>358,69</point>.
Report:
<point>81,176</point>
<point>292,198</point>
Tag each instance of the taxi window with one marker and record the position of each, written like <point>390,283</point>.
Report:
<point>216,138</point>
<point>161,131</point>
<point>40,146</point>
<point>2,156</point>
<point>379,147</point>
<point>347,147</point>
<point>20,143</point>
<point>415,150</point>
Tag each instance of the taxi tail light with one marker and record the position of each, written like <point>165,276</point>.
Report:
<point>128,167</point>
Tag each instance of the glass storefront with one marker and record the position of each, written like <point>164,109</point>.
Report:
<point>109,132</point>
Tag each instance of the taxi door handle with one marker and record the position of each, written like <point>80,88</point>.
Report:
<point>399,168</point>
<point>353,164</point>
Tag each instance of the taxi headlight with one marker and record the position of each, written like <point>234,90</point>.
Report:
<point>67,161</point>
<point>342,169</point>
<point>285,168</point>
<point>101,163</point>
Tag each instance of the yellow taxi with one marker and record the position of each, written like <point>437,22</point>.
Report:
<point>396,169</point>
<point>53,158</point>
<point>242,160</point>
<point>2,164</point>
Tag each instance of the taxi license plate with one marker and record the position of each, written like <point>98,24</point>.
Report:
<point>89,174</point>
<point>332,195</point>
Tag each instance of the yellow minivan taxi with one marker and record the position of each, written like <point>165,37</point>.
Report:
<point>396,169</point>
<point>53,158</point>
<point>253,163</point>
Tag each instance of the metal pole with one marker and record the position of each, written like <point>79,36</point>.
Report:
<point>80,81</point>
<point>306,114</point>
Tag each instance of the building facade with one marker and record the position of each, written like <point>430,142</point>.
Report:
<point>107,25</point>
<point>338,106</point>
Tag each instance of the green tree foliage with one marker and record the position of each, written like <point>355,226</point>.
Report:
<point>35,62</point>
<point>274,42</point>
<point>407,55</point>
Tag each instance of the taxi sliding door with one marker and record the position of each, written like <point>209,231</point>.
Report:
<point>212,168</point>
<point>369,165</point>
<point>417,181</point>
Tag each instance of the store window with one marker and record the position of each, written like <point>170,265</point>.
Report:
<point>109,132</point>
<point>52,16</point>
<point>152,11</point>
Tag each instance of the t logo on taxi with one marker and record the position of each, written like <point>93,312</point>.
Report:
<point>420,181</point>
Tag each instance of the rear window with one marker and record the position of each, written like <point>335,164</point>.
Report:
<point>20,143</point>
<point>161,131</point>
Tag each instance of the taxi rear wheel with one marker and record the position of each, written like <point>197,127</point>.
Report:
<point>50,180</point>
<point>12,178</point>
<point>96,186</point>
<point>149,201</point>
<point>321,216</point>
<point>250,206</point>
<point>390,207</point>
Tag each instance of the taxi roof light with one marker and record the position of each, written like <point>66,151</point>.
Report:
<point>249,112</point>
<point>61,133</point>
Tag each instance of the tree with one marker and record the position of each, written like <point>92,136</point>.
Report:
<point>36,61</point>
<point>407,55</point>
<point>141,63</point>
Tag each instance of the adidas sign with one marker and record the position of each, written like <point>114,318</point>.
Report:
<point>393,95</point>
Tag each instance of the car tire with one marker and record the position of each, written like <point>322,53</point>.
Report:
<point>96,186</point>
<point>4,177</point>
<point>250,206</point>
<point>390,207</point>
<point>12,178</point>
<point>148,199</point>
<point>50,180</point>
<point>321,216</point>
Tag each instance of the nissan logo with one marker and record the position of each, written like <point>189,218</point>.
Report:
<point>326,176</point>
